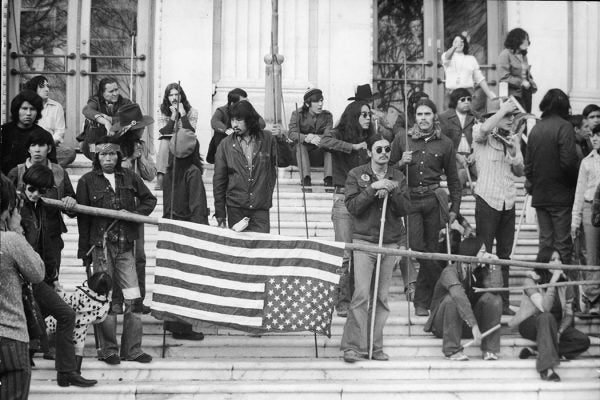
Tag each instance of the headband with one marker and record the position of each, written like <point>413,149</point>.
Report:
<point>107,147</point>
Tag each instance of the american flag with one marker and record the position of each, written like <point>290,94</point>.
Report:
<point>250,281</point>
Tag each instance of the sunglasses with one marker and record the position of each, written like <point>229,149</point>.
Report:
<point>467,98</point>
<point>366,114</point>
<point>33,189</point>
<point>380,149</point>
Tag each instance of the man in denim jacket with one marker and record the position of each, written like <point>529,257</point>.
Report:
<point>111,245</point>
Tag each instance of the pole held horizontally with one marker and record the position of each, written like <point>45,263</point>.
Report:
<point>544,285</point>
<point>142,219</point>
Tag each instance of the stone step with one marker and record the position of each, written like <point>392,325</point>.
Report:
<point>464,388</point>
<point>293,369</point>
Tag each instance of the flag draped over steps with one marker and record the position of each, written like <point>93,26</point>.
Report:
<point>250,281</point>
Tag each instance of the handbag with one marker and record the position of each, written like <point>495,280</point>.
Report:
<point>36,327</point>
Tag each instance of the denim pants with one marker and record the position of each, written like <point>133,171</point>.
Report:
<point>449,325</point>
<point>15,369</point>
<point>542,328</point>
<point>423,231</point>
<point>500,225</point>
<point>358,323</point>
<point>592,247</point>
<point>302,155</point>
<point>52,304</point>
<point>121,267</point>
<point>140,268</point>
<point>555,231</point>
<point>343,228</point>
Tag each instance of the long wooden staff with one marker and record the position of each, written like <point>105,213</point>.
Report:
<point>484,334</point>
<point>377,268</point>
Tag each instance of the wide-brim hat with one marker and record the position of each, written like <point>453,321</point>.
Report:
<point>183,143</point>
<point>364,93</point>
<point>130,118</point>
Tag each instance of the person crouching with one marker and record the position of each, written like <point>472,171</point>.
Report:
<point>457,312</point>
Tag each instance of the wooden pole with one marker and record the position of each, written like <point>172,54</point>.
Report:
<point>377,269</point>
<point>143,219</point>
<point>545,285</point>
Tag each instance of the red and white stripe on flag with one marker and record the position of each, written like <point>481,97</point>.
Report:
<point>250,281</point>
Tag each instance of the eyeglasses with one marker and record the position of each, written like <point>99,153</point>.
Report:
<point>380,149</point>
<point>467,98</point>
<point>366,114</point>
<point>33,189</point>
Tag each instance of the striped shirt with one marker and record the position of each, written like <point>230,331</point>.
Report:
<point>496,179</point>
<point>587,182</point>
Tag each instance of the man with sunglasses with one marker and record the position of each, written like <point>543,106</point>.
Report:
<point>426,154</point>
<point>37,181</point>
<point>39,145</point>
<point>457,123</point>
<point>366,187</point>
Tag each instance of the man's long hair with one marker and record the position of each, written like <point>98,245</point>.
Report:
<point>243,110</point>
<point>26,96</point>
<point>348,127</point>
<point>555,102</point>
<point>165,107</point>
<point>102,86</point>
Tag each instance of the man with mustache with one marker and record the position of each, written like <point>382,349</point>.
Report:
<point>425,156</point>
<point>245,172</point>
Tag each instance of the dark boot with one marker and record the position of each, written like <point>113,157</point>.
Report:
<point>74,379</point>
<point>78,360</point>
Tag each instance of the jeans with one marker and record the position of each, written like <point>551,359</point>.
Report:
<point>140,269</point>
<point>449,325</point>
<point>542,328</point>
<point>555,231</point>
<point>500,225</point>
<point>15,369</point>
<point>424,228</point>
<point>259,219</point>
<point>120,266</point>
<point>303,153</point>
<point>358,323</point>
<point>343,228</point>
<point>592,246</point>
<point>52,304</point>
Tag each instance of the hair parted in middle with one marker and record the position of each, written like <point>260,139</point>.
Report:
<point>243,110</point>
<point>165,106</point>
<point>348,126</point>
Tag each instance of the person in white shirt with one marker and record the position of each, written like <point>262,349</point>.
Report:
<point>587,182</point>
<point>462,70</point>
<point>53,119</point>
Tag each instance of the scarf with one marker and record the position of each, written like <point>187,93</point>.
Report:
<point>434,131</point>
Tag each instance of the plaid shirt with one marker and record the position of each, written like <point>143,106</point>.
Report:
<point>496,179</point>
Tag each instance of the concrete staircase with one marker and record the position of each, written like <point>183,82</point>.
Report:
<point>230,364</point>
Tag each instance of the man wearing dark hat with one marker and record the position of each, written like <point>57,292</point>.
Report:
<point>427,155</point>
<point>129,128</point>
<point>307,127</point>
<point>457,312</point>
<point>110,246</point>
<point>499,161</point>
<point>364,93</point>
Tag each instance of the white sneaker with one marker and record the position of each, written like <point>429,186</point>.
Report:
<point>489,356</point>
<point>460,356</point>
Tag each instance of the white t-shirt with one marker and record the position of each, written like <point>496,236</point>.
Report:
<point>462,71</point>
<point>111,179</point>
